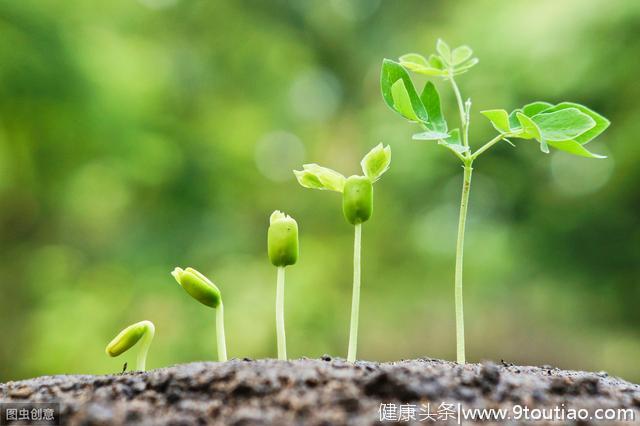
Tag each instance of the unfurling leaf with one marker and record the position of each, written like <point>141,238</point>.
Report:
<point>198,286</point>
<point>330,179</point>
<point>431,101</point>
<point>308,179</point>
<point>376,162</point>
<point>317,177</point>
<point>393,72</point>
<point>128,337</point>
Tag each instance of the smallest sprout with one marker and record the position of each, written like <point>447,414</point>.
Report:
<point>128,337</point>
<point>204,291</point>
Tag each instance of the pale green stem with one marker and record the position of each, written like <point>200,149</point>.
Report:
<point>282,340</point>
<point>221,341</point>
<point>464,204</point>
<point>489,144</point>
<point>463,116</point>
<point>145,343</point>
<point>355,299</point>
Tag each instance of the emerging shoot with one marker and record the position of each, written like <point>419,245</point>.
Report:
<point>204,291</point>
<point>357,207</point>
<point>282,247</point>
<point>565,126</point>
<point>127,338</point>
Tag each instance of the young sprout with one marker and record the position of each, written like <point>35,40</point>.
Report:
<point>282,247</point>
<point>204,291</point>
<point>128,337</point>
<point>357,207</point>
<point>565,126</point>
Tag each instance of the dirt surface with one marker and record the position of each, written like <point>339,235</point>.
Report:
<point>321,392</point>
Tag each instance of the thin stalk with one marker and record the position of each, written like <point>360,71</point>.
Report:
<point>355,299</point>
<point>145,342</point>
<point>282,340</point>
<point>464,204</point>
<point>221,341</point>
<point>489,144</point>
<point>464,123</point>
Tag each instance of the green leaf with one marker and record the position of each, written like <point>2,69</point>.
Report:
<point>393,72</point>
<point>376,162</point>
<point>460,54</point>
<point>600,126</point>
<point>529,128</point>
<point>575,148</point>
<point>443,50</point>
<point>402,102</point>
<point>461,69</point>
<point>564,124</point>
<point>431,100</point>
<point>415,59</point>
<point>317,177</point>
<point>499,118</point>
<point>436,62</point>
<point>535,107</point>
<point>514,123</point>
<point>454,137</point>
<point>430,135</point>
<point>531,131</point>
<point>198,286</point>
<point>419,64</point>
<point>128,337</point>
<point>308,179</point>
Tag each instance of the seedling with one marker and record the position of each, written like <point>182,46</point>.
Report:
<point>127,338</point>
<point>357,207</point>
<point>282,247</point>
<point>204,291</point>
<point>565,126</point>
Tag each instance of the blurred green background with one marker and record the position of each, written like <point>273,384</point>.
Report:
<point>136,136</point>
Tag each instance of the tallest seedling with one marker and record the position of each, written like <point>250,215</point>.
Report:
<point>357,206</point>
<point>565,126</point>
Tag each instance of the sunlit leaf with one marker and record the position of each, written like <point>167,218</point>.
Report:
<point>499,118</point>
<point>330,179</point>
<point>600,126</point>
<point>460,54</point>
<point>535,107</point>
<point>531,131</point>
<point>443,50</point>
<point>402,102</point>
<point>575,148</point>
<point>393,72</point>
<point>564,124</point>
<point>376,162</point>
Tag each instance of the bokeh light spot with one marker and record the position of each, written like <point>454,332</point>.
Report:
<point>315,95</point>
<point>580,176</point>
<point>277,154</point>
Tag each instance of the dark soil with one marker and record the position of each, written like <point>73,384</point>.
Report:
<point>317,392</point>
